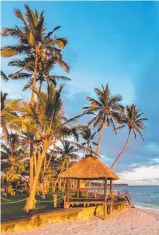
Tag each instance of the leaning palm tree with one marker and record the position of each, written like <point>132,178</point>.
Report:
<point>135,122</point>
<point>107,110</point>
<point>34,42</point>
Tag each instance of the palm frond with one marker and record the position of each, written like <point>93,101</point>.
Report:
<point>20,75</point>
<point>4,76</point>
<point>9,51</point>
<point>59,77</point>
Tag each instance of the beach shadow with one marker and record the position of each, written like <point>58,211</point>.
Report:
<point>95,211</point>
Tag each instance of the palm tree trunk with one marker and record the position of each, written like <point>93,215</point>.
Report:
<point>34,80</point>
<point>11,159</point>
<point>48,163</point>
<point>126,144</point>
<point>67,164</point>
<point>31,166</point>
<point>35,162</point>
<point>45,164</point>
<point>31,204</point>
<point>54,188</point>
<point>40,86</point>
<point>99,139</point>
<point>39,91</point>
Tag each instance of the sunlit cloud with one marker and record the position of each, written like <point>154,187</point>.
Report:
<point>142,175</point>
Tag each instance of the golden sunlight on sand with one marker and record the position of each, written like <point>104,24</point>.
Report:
<point>128,222</point>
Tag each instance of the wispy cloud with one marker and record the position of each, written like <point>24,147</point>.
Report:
<point>133,165</point>
<point>155,160</point>
<point>84,81</point>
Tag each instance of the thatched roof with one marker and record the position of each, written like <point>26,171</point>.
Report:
<point>89,168</point>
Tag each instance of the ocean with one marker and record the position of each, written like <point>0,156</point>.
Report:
<point>146,197</point>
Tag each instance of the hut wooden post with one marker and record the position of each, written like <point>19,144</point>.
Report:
<point>68,189</point>
<point>78,188</point>
<point>111,190</point>
<point>55,200</point>
<point>105,190</point>
<point>105,198</point>
<point>111,194</point>
<point>27,205</point>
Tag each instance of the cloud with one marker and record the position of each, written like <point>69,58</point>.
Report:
<point>133,165</point>
<point>156,160</point>
<point>106,159</point>
<point>143,175</point>
<point>84,81</point>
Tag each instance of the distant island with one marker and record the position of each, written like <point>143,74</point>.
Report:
<point>115,185</point>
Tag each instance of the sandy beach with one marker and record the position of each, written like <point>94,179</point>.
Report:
<point>127,222</point>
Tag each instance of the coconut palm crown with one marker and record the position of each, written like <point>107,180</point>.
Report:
<point>88,137</point>
<point>106,109</point>
<point>34,42</point>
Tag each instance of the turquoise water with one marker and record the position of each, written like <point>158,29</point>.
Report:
<point>146,197</point>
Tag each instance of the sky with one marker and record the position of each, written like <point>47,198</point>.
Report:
<point>108,42</point>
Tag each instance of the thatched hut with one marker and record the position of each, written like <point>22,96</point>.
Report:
<point>89,168</point>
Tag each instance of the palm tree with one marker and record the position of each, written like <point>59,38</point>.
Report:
<point>3,100</point>
<point>66,155</point>
<point>48,123</point>
<point>12,151</point>
<point>43,72</point>
<point>28,139</point>
<point>107,110</point>
<point>42,52</point>
<point>3,108</point>
<point>44,68</point>
<point>135,122</point>
<point>33,41</point>
<point>88,137</point>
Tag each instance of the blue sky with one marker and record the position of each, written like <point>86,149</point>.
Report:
<point>114,42</point>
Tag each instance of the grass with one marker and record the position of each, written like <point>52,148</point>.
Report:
<point>17,210</point>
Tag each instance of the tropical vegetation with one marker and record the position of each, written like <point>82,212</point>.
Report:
<point>38,140</point>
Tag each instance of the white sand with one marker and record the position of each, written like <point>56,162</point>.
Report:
<point>127,222</point>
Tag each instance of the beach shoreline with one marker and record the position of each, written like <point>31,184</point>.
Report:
<point>132,221</point>
<point>149,210</point>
